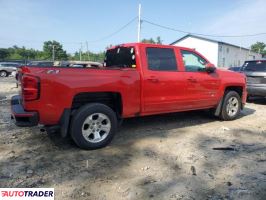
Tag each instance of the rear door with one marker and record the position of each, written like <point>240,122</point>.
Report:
<point>163,86</point>
<point>202,88</point>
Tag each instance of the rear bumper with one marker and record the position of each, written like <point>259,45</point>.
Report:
<point>22,117</point>
<point>256,90</point>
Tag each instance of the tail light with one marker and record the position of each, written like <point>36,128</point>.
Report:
<point>30,88</point>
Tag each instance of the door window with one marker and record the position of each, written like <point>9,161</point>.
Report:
<point>193,62</point>
<point>161,59</point>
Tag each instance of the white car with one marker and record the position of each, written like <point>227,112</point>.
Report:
<point>7,68</point>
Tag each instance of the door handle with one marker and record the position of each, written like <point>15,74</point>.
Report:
<point>193,80</point>
<point>153,79</point>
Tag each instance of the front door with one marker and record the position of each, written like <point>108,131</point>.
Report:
<point>202,87</point>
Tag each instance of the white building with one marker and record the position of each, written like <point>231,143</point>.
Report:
<point>219,53</point>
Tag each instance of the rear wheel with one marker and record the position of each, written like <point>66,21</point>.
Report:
<point>3,74</point>
<point>93,126</point>
<point>231,106</point>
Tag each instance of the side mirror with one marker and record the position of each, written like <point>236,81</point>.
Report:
<point>210,68</point>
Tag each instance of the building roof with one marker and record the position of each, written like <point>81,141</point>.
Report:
<point>207,39</point>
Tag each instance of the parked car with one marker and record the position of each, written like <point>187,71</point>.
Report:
<point>235,69</point>
<point>41,63</point>
<point>83,64</point>
<point>7,68</point>
<point>137,80</point>
<point>255,71</point>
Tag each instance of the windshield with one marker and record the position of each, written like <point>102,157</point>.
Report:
<point>256,66</point>
<point>120,57</point>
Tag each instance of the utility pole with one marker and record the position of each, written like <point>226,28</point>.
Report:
<point>80,52</point>
<point>87,50</point>
<point>139,23</point>
<point>53,52</point>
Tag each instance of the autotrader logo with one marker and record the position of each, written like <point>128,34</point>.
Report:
<point>27,193</point>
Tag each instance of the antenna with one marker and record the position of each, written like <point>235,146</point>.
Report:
<point>139,22</point>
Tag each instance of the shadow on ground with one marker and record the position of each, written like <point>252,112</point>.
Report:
<point>257,100</point>
<point>41,161</point>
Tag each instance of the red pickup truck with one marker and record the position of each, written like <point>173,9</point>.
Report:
<point>136,80</point>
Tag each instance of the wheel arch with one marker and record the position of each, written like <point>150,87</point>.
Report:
<point>236,88</point>
<point>110,99</point>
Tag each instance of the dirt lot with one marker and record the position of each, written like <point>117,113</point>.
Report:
<point>159,157</point>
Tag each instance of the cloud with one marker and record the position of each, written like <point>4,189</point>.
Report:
<point>247,17</point>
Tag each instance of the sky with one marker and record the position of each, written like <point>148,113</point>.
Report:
<point>73,22</point>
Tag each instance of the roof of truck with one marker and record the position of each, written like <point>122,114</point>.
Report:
<point>148,44</point>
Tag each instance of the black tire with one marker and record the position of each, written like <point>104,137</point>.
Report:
<point>3,73</point>
<point>82,114</point>
<point>224,115</point>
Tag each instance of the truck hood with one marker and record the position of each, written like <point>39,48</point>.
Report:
<point>235,77</point>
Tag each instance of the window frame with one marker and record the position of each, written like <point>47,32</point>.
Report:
<point>162,48</point>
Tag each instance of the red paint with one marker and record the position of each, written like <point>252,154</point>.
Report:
<point>143,92</point>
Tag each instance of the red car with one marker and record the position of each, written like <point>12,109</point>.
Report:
<point>137,80</point>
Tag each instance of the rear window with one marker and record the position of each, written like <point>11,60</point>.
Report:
<point>256,66</point>
<point>120,57</point>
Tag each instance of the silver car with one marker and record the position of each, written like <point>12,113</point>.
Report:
<point>6,68</point>
<point>255,71</point>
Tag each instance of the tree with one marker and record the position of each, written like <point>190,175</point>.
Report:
<point>3,54</point>
<point>59,53</point>
<point>22,52</point>
<point>152,41</point>
<point>159,40</point>
<point>96,57</point>
<point>259,47</point>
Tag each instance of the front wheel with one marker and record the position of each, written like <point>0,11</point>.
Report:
<point>231,106</point>
<point>3,74</point>
<point>93,126</point>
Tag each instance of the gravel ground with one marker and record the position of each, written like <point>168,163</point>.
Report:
<point>175,156</point>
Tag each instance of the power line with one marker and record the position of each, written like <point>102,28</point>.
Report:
<point>114,33</point>
<point>77,43</point>
<point>199,34</point>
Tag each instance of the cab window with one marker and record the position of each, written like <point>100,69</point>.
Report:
<point>193,62</point>
<point>161,59</point>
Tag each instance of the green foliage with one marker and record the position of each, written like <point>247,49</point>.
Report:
<point>4,53</point>
<point>17,53</point>
<point>259,47</point>
<point>96,57</point>
<point>152,41</point>
<point>59,53</point>
<point>22,53</point>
